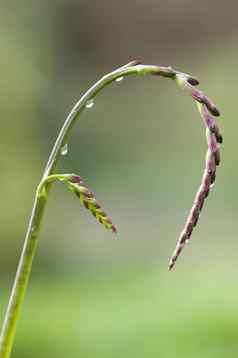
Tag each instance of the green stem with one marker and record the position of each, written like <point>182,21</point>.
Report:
<point>31,239</point>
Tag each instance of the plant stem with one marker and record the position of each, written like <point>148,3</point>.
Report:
<point>31,239</point>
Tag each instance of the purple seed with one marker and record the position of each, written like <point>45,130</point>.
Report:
<point>114,229</point>
<point>88,194</point>
<point>193,81</point>
<point>217,157</point>
<point>213,177</point>
<point>76,179</point>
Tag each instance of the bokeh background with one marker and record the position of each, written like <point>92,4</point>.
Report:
<point>141,148</point>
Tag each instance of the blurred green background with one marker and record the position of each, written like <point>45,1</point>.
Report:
<point>141,148</point>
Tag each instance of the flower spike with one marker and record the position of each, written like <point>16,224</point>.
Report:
<point>214,138</point>
<point>87,198</point>
<point>186,84</point>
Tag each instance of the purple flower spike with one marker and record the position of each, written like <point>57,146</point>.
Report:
<point>212,161</point>
<point>192,217</point>
<point>187,84</point>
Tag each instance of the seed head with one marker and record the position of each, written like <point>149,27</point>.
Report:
<point>87,198</point>
<point>214,138</point>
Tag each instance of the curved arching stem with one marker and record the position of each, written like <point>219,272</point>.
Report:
<point>31,238</point>
<point>73,116</point>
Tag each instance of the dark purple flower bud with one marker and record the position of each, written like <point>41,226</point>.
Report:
<point>76,179</point>
<point>114,229</point>
<point>219,138</point>
<point>217,157</point>
<point>88,194</point>
<point>211,106</point>
<point>201,98</point>
<point>213,177</point>
<point>217,134</point>
<point>211,123</point>
<point>192,81</point>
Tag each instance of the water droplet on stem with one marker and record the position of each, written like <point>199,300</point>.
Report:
<point>119,79</point>
<point>90,103</point>
<point>64,150</point>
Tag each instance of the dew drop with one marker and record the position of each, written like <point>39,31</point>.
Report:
<point>90,103</point>
<point>64,150</point>
<point>119,79</point>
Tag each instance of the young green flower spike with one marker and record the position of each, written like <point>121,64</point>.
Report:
<point>87,198</point>
<point>75,184</point>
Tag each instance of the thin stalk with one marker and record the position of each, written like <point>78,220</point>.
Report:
<point>31,238</point>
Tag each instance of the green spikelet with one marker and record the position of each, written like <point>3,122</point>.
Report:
<point>87,198</point>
